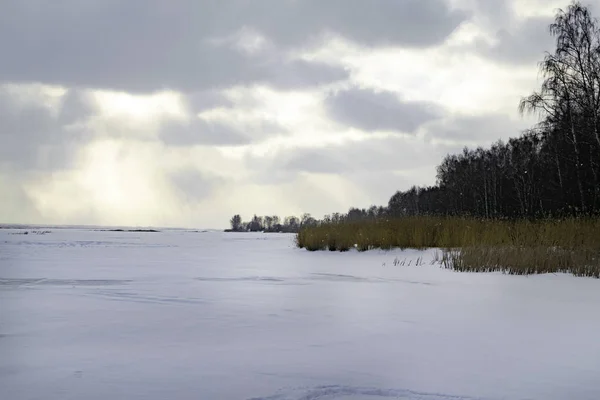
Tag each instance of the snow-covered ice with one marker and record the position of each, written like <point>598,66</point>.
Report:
<point>188,315</point>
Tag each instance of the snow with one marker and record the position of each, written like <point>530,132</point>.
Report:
<point>93,315</point>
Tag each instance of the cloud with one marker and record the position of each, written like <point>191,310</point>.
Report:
<point>216,133</point>
<point>515,32</point>
<point>302,74</point>
<point>317,161</point>
<point>16,205</point>
<point>200,132</point>
<point>193,185</point>
<point>365,172</point>
<point>479,129</point>
<point>36,131</point>
<point>149,45</point>
<point>373,155</point>
<point>413,23</point>
<point>495,13</point>
<point>525,43</point>
<point>370,110</point>
<point>241,122</point>
<point>206,100</point>
<point>143,48</point>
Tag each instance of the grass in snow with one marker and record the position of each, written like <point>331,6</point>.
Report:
<point>478,245</point>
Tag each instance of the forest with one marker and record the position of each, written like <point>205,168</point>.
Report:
<point>551,171</point>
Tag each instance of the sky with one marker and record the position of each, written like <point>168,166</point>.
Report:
<point>183,113</point>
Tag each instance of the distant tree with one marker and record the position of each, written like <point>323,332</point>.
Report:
<point>308,220</point>
<point>268,221</point>
<point>256,224</point>
<point>337,218</point>
<point>291,224</point>
<point>276,224</point>
<point>236,223</point>
<point>373,212</point>
<point>355,214</point>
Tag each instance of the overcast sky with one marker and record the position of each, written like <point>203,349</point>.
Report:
<point>184,112</point>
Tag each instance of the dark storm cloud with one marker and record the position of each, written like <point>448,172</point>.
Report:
<point>415,23</point>
<point>523,44</point>
<point>369,110</point>
<point>300,73</point>
<point>213,133</point>
<point>207,100</point>
<point>479,129</point>
<point>200,132</point>
<point>497,13</point>
<point>32,137</point>
<point>146,45</point>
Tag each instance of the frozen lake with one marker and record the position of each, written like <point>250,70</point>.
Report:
<point>188,315</point>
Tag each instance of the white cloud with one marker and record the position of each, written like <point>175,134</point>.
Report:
<point>459,81</point>
<point>140,107</point>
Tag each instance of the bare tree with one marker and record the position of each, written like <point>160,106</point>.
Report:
<point>569,101</point>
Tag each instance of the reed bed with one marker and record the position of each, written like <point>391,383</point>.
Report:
<point>476,245</point>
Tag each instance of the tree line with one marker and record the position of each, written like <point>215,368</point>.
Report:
<point>269,223</point>
<point>551,170</point>
<point>294,224</point>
